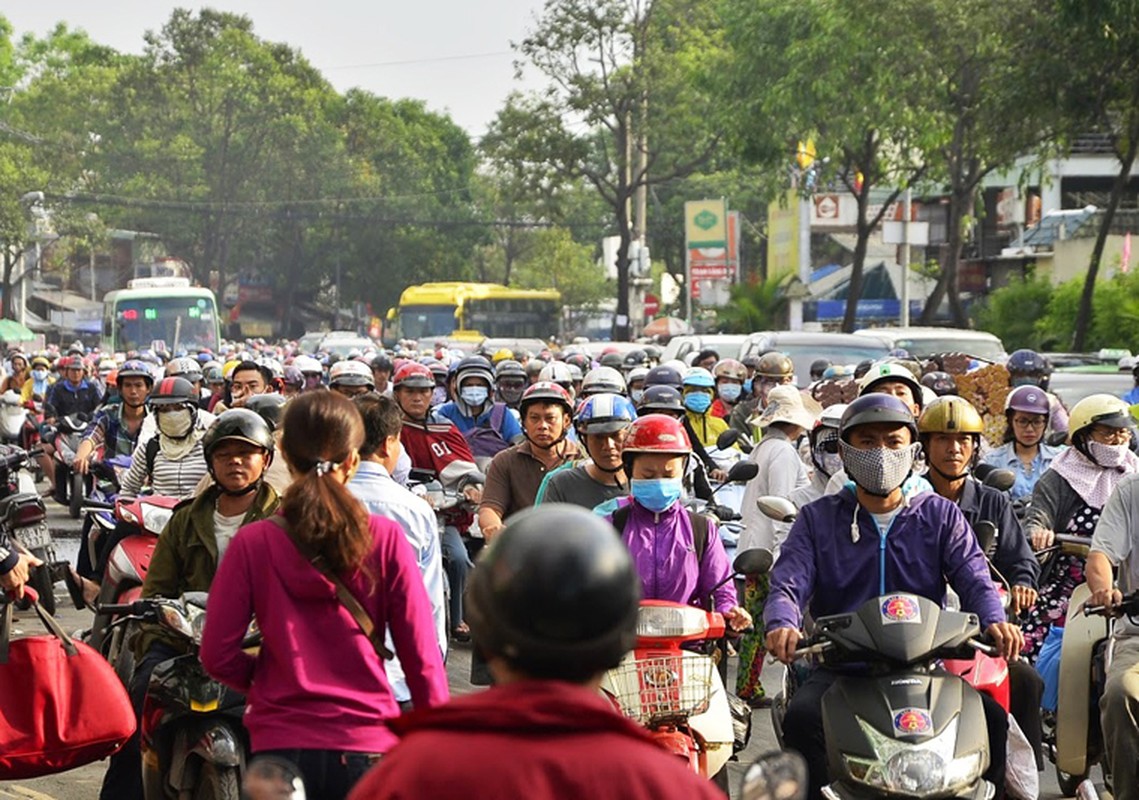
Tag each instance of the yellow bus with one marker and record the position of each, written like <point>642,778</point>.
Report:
<point>471,310</point>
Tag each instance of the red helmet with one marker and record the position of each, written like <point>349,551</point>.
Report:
<point>413,375</point>
<point>545,392</point>
<point>657,433</point>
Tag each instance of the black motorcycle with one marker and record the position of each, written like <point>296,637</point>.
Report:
<point>23,519</point>
<point>192,738</point>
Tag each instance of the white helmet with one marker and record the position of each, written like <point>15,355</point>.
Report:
<point>603,379</point>
<point>308,365</point>
<point>184,367</point>
<point>556,371</point>
<point>351,373</point>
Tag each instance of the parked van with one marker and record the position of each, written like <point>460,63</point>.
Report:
<point>925,342</point>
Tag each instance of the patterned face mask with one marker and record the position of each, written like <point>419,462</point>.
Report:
<point>880,470</point>
<point>1108,455</point>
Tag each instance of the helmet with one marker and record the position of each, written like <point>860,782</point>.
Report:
<point>614,360</point>
<point>664,376</point>
<point>603,379</point>
<point>652,352</point>
<point>555,607</point>
<point>698,377</point>
<point>502,354</point>
<point>1029,400</point>
<point>661,399</point>
<point>240,424</point>
<point>730,369</point>
<point>581,360</point>
<point>876,407</point>
<point>818,367</point>
<point>509,367</point>
<point>534,368</point>
<point>381,363</point>
<point>951,414</point>
<point>40,361</point>
<point>890,373</point>
<point>654,433</point>
<point>308,365</point>
<point>636,374</point>
<point>136,369</point>
<point>604,413</point>
<point>172,391</point>
<point>270,407</point>
<point>1028,362</point>
<point>545,392</point>
<point>270,367</point>
<point>576,373</point>
<point>556,372</point>
<point>185,367</point>
<point>634,358</point>
<point>351,373</point>
<point>774,366</point>
<point>439,370</point>
<point>940,383</point>
<point>824,436</point>
<point>291,377</point>
<point>412,375</point>
<point>1097,409</point>
<point>211,373</point>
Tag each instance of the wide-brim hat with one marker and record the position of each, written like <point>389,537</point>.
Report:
<point>785,403</point>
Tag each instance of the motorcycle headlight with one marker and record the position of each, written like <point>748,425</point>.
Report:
<point>176,619</point>
<point>197,623</point>
<point>669,622</point>
<point>154,518</point>
<point>917,768</point>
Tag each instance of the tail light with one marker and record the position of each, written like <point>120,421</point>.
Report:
<point>28,511</point>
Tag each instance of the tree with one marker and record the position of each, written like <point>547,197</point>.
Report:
<point>756,305</point>
<point>1013,313</point>
<point>612,72</point>
<point>555,261</point>
<point>1100,45</point>
<point>841,74</point>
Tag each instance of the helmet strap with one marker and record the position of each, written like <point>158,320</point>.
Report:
<point>241,492</point>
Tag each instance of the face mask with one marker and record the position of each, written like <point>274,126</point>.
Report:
<point>39,374</point>
<point>1025,380</point>
<point>697,402</point>
<point>474,395</point>
<point>511,395</point>
<point>637,395</point>
<point>730,392</point>
<point>831,464</point>
<point>175,424</point>
<point>655,494</point>
<point>439,395</point>
<point>880,470</point>
<point>747,386</point>
<point>1108,455</point>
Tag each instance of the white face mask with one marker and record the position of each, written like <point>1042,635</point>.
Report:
<point>176,424</point>
<point>39,374</point>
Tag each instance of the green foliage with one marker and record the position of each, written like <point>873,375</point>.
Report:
<point>1015,313</point>
<point>755,306</point>
<point>556,261</point>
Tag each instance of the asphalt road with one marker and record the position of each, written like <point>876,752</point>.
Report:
<point>83,783</point>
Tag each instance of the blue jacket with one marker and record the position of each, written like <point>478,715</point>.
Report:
<point>927,544</point>
<point>511,428</point>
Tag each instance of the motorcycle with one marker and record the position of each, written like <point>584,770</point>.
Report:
<point>23,518</point>
<point>727,509</point>
<point>13,418</point>
<point>669,683</point>
<point>125,572</point>
<point>70,486</point>
<point>905,727</point>
<point>192,738</point>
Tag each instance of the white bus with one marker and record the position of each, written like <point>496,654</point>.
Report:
<point>167,310</point>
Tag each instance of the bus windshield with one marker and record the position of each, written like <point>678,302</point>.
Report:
<point>513,317</point>
<point>422,322</point>
<point>188,323</point>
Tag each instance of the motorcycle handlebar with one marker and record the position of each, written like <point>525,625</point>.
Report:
<point>93,506</point>
<point>136,608</point>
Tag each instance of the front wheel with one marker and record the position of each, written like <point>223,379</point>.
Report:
<point>216,783</point>
<point>1069,783</point>
<point>77,495</point>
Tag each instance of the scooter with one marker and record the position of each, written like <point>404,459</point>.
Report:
<point>669,682</point>
<point>13,418</point>
<point>70,486</point>
<point>727,510</point>
<point>24,519</point>
<point>192,738</point>
<point>905,728</point>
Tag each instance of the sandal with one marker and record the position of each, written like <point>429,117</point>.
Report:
<point>461,633</point>
<point>74,584</point>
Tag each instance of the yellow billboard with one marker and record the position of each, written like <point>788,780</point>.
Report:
<point>706,223</point>
<point>783,235</point>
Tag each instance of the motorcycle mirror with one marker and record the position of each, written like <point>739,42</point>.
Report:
<point>1000,479</point>
<point>1056,438</point>
<point>727,439</point>
<point>779,509</point>
<point>986,535</point>
<point>742,471</point>
<point>780,775</point>
<point>755,561</point>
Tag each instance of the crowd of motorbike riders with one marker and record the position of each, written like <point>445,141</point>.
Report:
<point>336,450</point>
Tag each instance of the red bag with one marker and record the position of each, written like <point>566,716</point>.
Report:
<point>61,703</point>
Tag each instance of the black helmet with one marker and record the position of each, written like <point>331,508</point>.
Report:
<point>270,407</point>
<point>238,424</point>
<point>172,391</point>
<point>663,376</point>
<point>614,360</point>
<point>818,367</point>
<point>661,400</point>
<point>635,358</point>
<point>940,383</point>
<point>561,607</point>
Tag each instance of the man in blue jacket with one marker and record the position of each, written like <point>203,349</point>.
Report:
<point>866,541</point>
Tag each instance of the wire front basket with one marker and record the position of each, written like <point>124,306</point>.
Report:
<point>654,690</point>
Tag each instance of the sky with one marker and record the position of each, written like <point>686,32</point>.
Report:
<point>453,54</point>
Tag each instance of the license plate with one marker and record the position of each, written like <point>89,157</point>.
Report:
<point>35,536</point>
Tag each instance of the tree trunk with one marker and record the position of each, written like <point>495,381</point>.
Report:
<point>854,290</point>
<point>1084,315</point>
<point>9,308</point>
<point>621,325</point>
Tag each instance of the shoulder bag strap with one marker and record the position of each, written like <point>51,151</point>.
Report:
<point>48,620</point>
<point>347,599</point>
<point>497,413</point>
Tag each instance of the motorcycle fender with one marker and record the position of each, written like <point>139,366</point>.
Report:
<point>674,742</point>
<point>714,729</point>
<point>219,745</point>
<point>1074,701</point>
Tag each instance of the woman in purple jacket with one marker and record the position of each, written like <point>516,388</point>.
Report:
<point>317,692</point>
<point>674,561</point>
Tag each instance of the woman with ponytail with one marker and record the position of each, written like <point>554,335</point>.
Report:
<point>317,691</point>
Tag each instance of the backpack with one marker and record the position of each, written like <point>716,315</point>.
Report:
<point>151,454</point>
<point>700,526</point>
<point>487,441</point>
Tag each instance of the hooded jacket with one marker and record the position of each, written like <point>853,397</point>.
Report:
<point>664,552</point>
<point>317,682</point>
<point>542,740</point>
<point>927,544</point>
<point>64,399</point>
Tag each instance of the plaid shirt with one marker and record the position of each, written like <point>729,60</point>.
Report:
<point>108,427</point>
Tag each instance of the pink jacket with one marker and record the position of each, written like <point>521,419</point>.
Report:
<point>317,682</point>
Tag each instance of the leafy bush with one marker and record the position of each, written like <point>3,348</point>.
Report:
<point>1014,313</point>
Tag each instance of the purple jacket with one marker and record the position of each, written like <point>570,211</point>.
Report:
<point>927,544</point>
<point>664,553</point>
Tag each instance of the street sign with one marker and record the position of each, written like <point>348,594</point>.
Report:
<point>652,305</point>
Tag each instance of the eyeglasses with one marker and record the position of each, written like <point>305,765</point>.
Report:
<point>1024,422</point>
<point>1114,435</point>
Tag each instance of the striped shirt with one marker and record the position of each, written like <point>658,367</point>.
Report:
<point>169,478</point>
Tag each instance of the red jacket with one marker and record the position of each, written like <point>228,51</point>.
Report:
<point>533,739</point>
<point>438,445</point>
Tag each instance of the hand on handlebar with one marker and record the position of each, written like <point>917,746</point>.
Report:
<point>1041,538</point>
<point>473,494</point>
<point>738,619</point>
<point>718,475</point>
<point>14,579</point>
<point>1023,598</point>
<point>1007,638</point>
<point>1108,598</point>
<point>781,643</point>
